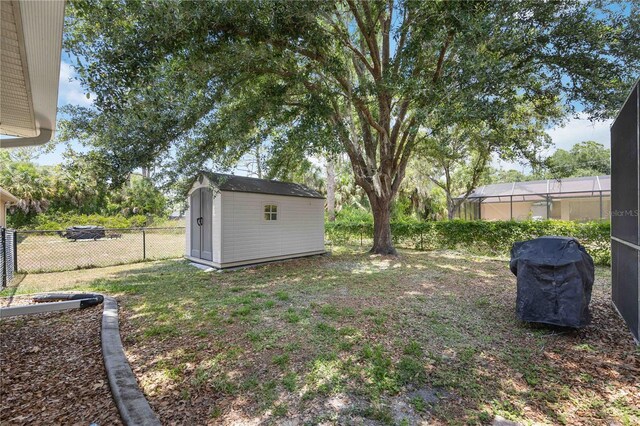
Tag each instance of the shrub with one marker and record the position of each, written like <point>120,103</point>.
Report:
<point>482,237</point>
<point>56,221</point>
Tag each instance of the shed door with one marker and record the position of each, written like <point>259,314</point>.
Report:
<point>196,233</point>
<point>206,207</point>
<point>201,224</point>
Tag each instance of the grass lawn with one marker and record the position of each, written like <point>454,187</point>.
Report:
<point>353,338</point>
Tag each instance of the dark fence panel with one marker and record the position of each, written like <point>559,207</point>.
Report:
<point>7,256</point>
<point>624,173</point>
<point>48,251</point>
<point>625,211</point>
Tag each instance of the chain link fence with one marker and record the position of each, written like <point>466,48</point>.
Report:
<point>63,250</point>
<point>7,256</point>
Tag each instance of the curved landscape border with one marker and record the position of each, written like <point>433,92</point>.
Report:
<point>133,406</point>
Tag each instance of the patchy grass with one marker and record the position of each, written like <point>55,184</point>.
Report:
<point>354,338</point>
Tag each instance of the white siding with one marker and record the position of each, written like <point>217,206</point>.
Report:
<point>246,235</point>
<point>187,242</point>
<point>4,204</point>
<point>216,227</point>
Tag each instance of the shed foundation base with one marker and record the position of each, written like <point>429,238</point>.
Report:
<point>252,262</point>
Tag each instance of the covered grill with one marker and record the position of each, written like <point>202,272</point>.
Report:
<point>555,278</point>
<point>85,232</point>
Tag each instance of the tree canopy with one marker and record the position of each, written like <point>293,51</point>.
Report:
<point>74,186</point>
<point>586,158</point>
<point>457,156</point>
<point>210,80</point>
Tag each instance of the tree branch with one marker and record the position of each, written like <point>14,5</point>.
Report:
<point>366,34</point>
<point>404,33</point>
<point>443,52</point>
<point>402,166</point>
<point>403,141</point>
<point>386,30</point>
<point>347,43</point>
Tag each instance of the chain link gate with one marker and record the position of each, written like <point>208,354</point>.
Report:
<point>7,256</point>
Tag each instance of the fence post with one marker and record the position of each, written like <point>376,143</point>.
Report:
<point>601,211</point>
<point>3,257</point>
<point>144,245</point>
<point>361,232</point>
<point>15,251</point>
<point>421,243</point>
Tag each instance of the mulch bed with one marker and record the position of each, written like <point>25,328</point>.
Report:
<point>52,372</point>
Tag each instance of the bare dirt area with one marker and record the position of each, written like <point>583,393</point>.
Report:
<point>52,370</point>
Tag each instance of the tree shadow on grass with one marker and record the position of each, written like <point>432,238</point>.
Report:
<point>8,293</point>
<point>311,340</point>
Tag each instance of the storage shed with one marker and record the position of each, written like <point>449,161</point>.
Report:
<point>237,220</point>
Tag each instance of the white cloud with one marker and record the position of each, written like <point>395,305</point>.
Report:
<point>574,131</point>
<point>581,129</point>
<point>69,90</point>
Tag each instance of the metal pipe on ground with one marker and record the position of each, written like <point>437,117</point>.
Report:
<point>52,303</point>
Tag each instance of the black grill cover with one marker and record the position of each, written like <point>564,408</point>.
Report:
<point>85,232</point>
<point>555,277</point>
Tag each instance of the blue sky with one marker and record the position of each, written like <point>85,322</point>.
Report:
<point>576,129</point>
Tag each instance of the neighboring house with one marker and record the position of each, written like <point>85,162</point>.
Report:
<point>6,199</point>
<point>577,199</point>
<point>236,220</point>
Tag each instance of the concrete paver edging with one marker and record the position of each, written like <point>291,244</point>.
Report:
<point>132,404</point>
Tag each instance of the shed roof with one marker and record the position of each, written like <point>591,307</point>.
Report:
<point>233,183</point>
<point>568,187</point>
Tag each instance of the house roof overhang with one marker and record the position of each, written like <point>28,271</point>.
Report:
<point>6,196</point>
<point>30,55</point>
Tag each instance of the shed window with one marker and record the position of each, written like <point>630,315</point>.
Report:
<point>270,212</point>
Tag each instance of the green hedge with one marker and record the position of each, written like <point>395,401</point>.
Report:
<point>46,222</point>
<point>482,237</point>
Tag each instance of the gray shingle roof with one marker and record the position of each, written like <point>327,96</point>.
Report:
<point>233,183</point>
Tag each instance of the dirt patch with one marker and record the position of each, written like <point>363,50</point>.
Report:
<point>16,301</point>
<point>52,370</point>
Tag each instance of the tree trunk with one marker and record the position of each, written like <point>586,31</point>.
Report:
<point>381,208</point>
<point>258,162</point>
<point>451,208</point>
<point>331,188</point>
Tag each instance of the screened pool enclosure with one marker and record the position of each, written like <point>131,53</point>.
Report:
<point>578,199</point>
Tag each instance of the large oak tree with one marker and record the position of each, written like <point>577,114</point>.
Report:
<point>213,79</point>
